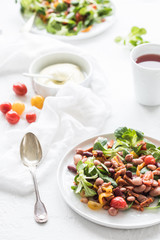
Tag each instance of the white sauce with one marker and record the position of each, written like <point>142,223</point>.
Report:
<point>66,72</point>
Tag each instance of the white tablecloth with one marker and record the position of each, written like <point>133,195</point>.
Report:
<point>125,111</point>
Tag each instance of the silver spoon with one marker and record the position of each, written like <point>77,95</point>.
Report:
<point>36,75</point>
<point>31,155</point>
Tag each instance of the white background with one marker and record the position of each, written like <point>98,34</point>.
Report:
<point>115,62</point>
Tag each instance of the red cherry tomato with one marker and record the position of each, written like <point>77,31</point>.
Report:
<point>148,178</point>
<point>149,160</point>
<point>5,107</point>
<point>31,117</point>
<point>118,202</point>
<point>12,117</point>
<point>20,89</point>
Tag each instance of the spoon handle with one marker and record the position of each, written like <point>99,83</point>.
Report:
<point>40,211</point>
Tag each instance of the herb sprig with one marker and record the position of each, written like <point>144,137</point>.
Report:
<point>134,38</point>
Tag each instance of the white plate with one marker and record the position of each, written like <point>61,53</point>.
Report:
<point>96,30</point>
<point>124,220</point>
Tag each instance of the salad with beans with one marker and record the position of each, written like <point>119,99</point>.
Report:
<point>118,174</point>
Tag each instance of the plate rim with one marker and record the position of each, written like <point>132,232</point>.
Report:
<point>83,214</point>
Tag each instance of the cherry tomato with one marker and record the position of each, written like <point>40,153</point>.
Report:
<point>12,117</point>
<point>37,101</point>
<point>5,107</point>
<point>118,202</point>
<point>31,117</point>
<point>20,89</point>
<point>18,107</point>
<point>149,160</point>
<point>148,178</point>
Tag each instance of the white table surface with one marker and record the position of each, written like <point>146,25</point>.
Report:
<point>126,111</point>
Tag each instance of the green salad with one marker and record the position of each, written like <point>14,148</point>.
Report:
<point>66,17</point>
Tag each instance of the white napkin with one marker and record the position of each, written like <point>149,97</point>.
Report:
<point>75,114</point>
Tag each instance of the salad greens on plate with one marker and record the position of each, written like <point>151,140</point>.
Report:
<point>66,17</point>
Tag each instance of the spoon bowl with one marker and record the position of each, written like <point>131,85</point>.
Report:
<point>30,150</point>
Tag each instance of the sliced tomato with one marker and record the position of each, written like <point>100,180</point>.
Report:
<point>150,160</point>
<point>148,178</point>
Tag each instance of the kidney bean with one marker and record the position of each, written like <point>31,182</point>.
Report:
<point>72,169</point>
<point>148,188</point>
<point>99,153</point>
<point>112,211</point>
<point>99,191</point>
<point>111,170</point>
<point>140,189</point>
<point>87,154</point>
<point>79,151</point>
<point>131,199</point>
<point>129,165</point>
<point>84,200</point>
<point>117,192</point>
<point>129,158</point>
<point>137,161</point>
<point>141,198</point>
<point>137,181</point>
<point>114,163</point>
<point>96,162</point>
<point>107,163</point>
<point>155,192</point>
<point>155,183</point>
<point>151,167</point>
<point>82,193</point>
<point>123,189</point>
<point>129,174</point>
<point>99,181</point>
<point>156,172</point>
<point>129,187</point>
<point>77,158</point>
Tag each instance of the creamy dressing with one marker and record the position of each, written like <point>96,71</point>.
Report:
<point>66,72</point>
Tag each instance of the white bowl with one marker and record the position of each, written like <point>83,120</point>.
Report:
<point>59,57</point>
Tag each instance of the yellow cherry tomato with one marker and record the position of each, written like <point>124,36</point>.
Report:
<point>94,205</point>
<point>18,107</point>
<point>37,101</point>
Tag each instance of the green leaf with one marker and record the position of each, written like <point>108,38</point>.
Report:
<point>118,39</point>
<point>100,144</point>
<point>80,166</point>
<point>105,168</point>
<point>107,178</point>
<point>135,30</point>
<point>79,188</point>
<point>88,191</point>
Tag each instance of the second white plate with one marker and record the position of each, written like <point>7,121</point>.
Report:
<point>124,220</point>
